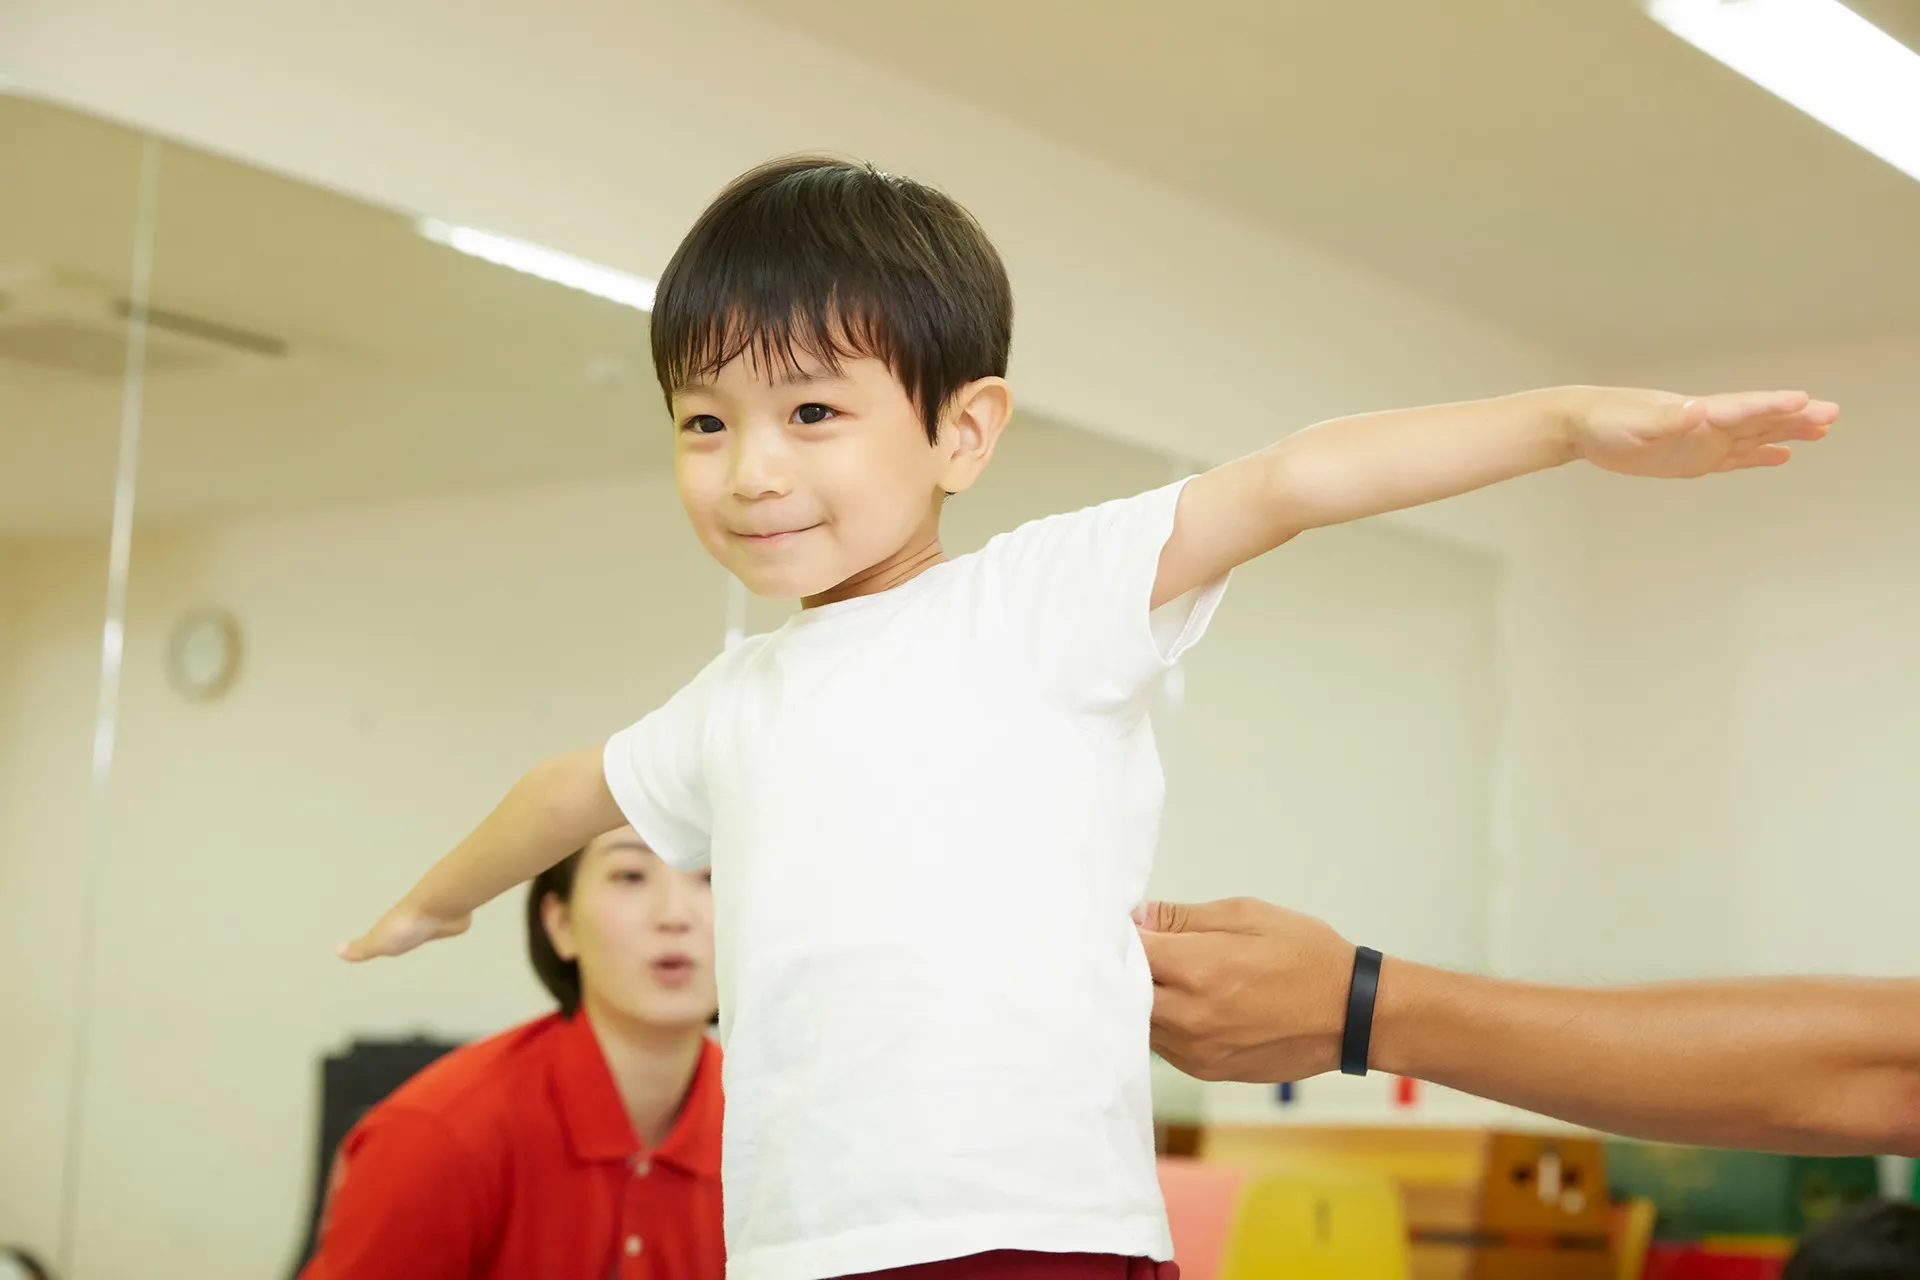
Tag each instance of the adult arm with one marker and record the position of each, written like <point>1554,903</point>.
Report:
<point>1249,991</point>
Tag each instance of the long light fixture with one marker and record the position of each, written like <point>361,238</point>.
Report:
<point>548,264</point>
<point>1821,57</point>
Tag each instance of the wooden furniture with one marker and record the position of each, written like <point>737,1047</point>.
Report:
<point>1478,1205</point>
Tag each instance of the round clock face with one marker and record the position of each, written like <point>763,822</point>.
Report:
<point>204,653</point>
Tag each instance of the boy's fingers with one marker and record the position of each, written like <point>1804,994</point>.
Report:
<point>1777,415</point>
<point>1823,412</point>
<point>1742,406</point>
<point>1776,430</point>
<point>1767,455</point>
<point>362,948</point>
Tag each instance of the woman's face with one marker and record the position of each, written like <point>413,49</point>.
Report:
<point>641,932</point>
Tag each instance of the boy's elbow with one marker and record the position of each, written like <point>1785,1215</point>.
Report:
<point>1295,492</point>
<point>569,797</point>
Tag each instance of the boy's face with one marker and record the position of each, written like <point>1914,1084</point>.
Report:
<point>807,484</point>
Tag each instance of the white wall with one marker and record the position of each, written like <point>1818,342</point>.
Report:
<point>1755,666</point>
<point>405,663</point>
<point>51,606</point>
<point>1334,749</point>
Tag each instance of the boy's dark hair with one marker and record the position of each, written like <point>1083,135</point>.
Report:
<point>1877,1240</point>
<point>560,977</point>
<point>835,260</point>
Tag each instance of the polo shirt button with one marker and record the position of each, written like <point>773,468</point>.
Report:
<point>633,1246</point>
<point>641,1166</point>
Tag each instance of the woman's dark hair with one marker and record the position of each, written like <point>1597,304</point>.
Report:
<point>560,977</point>
<point>836,260</point>
<point>1877,1240</point>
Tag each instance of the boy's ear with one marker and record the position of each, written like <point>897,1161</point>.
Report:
<point>974,419</point>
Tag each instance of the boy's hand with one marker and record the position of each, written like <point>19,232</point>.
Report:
<point>1656,433</point>
<point>402,929</point>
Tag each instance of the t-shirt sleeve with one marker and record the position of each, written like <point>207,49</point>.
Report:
<point>404,1202</point>
<point>656,770</point>
<point>1077,590</point>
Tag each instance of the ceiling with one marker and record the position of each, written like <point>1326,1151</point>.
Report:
<point>1564,168</point>
<point>405,368</point>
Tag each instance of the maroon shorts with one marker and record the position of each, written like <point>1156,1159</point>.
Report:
<point>1011,1264</point>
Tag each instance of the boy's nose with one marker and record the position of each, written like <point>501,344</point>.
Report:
<point>760,469</point>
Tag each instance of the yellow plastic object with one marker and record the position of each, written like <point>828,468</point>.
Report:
<point>1633,1232</point>
<point>1317,1224</point>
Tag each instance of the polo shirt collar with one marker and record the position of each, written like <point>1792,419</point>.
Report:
<point>693,1144</point>
<point>596,1120</point>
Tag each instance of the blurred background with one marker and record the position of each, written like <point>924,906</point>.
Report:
<point>301,569</point>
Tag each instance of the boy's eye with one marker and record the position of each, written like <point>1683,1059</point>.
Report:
<point>812,415</point>
<point>703,424</point>
<point>630,877</point>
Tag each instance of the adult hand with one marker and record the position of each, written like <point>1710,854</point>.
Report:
<point>1244,990</point>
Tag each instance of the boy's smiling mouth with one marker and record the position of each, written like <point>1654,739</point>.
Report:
<point>774,537</point>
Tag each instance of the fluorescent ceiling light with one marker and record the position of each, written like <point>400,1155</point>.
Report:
<point>1821,57</point>
<point>547,264</point>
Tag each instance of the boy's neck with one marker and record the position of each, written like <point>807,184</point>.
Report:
<point>652,1067</point>
<point>903,566</point>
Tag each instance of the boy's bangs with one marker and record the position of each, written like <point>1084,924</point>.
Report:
<point>780,337</point>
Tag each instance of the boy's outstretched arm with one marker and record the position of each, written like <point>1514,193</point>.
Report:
<point>559,806</point>
<point>1378,462</point>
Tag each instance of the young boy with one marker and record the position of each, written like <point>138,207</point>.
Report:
<point>923,1067</point>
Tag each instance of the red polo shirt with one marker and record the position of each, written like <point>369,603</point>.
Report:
<point>513,1158</point>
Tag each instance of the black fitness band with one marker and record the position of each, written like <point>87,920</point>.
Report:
<point>1358,1040</point>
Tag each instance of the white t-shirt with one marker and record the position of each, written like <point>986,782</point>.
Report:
<point>929,813</point>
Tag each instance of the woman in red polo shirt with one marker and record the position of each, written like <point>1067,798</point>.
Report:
<point>580,1146</point>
